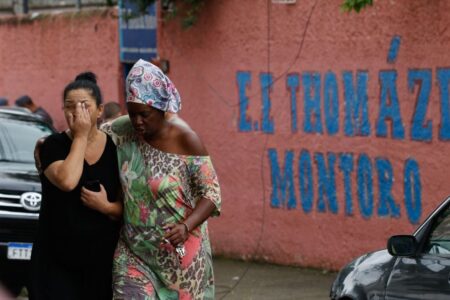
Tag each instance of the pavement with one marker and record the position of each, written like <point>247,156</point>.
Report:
<point>239,280</point>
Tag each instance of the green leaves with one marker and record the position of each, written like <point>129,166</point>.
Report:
<point>355,5</point>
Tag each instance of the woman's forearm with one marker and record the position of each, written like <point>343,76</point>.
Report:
<point>72,167</point>
<point>114,210</point>
<point>177,233</point>
<point>67,173</point>
<point>202,211</point>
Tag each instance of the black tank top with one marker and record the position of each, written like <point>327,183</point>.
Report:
<point>72,238</point>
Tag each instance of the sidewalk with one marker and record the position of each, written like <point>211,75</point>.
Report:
<point>238,280</point>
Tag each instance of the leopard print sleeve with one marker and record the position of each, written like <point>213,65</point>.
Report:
<point>204,181</point>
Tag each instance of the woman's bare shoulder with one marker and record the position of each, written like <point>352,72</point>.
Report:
<point>189,141</point>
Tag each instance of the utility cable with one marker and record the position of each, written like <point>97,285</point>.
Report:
<point>258,245</point>
<point>228,104</point>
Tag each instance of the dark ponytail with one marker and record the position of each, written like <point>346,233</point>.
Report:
<point>86,81</point>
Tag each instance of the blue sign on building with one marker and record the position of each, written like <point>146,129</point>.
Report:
<point>137,32</point>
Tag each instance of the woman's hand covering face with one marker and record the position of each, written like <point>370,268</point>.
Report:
<point>79,120</point>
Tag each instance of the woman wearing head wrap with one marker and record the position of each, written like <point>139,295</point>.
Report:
<point>170,189</point>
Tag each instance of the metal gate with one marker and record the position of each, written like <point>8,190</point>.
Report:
<point>30,6</point>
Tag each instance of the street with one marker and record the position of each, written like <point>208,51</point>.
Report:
<point>248,280</point>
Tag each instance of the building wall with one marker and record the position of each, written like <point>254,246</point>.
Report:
<point>347,145</point>
<point>40,56</point>
<point>329,131</point>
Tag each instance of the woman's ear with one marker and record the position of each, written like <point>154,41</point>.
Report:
<point>100,109</point>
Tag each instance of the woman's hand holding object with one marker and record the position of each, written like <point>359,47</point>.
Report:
<point>176,234</point>
<point>95,200</point>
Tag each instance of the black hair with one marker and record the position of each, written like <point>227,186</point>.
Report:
<point>23,101</point>
<point>87,81</point>
<point>111,109</point>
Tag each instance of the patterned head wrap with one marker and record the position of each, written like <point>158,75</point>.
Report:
<point>147,84</point>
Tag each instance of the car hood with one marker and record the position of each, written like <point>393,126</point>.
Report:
<point>366,275</point>
<point>19,177</point>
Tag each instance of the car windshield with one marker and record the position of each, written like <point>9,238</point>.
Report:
<point>439,239</point>
<point>18,137</point>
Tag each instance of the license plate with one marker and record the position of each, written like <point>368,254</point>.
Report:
<point>19,251</point>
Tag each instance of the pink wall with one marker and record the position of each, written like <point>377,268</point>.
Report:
<point>39,57</point>
<point>319,187</point>
<point>367,182</point>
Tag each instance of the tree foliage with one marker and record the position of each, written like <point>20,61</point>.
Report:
<point>355,5</point>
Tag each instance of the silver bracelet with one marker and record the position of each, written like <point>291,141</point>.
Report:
<point>185,225</point>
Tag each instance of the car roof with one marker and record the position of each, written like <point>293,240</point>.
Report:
<point>19,113</point>
<point>15,110</point>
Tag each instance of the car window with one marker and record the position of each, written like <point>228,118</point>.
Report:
<point>439,239</point>
<point>18,138</point>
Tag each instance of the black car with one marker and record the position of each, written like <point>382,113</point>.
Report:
<point>20,194</point>
<point>412,267</point>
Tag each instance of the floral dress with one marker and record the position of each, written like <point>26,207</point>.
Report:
<point>162,188</point>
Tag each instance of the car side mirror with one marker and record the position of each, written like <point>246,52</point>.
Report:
<point>402,245</point>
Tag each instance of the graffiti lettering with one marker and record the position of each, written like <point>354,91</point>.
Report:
<point>315,108</point>
<point>389,122</point>
<point>356,107</point>
<point>443,76</point>
<point>389,106</point>
<point>419,130</point>
<point>283,187</point>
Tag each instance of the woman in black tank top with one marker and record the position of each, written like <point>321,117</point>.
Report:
<point>81,208</point>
